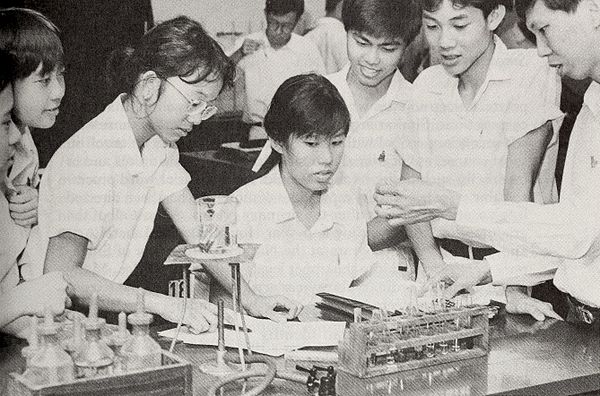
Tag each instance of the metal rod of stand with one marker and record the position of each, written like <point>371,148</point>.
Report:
<point>236,305</point>
<point>235,269</point>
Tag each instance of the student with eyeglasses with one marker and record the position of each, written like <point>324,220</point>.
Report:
<point>101,189</point>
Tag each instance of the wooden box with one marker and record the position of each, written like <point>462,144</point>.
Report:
<point>400,343</point>
<point>174,377</point>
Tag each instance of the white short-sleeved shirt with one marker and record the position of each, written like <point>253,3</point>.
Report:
<point>13,239</point>
<point>465,148</point>
<point>562,240</point>
<point>99,186</point>
<point>292,260</point>
<point>330,37</point>
<point>265,70</point>
<point>26,163</point>
<point>370,150</point>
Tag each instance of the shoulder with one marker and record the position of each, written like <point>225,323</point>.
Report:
<point>302,43</point>
<point>524,64</point>
<point>431,78</point>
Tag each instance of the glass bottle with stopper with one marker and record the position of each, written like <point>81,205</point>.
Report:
<point>94,357</point>
<point>77,339</point>
<point>116,341</point>
<point>140,351</point>
<point>32,339</point>
<point>50,364</point>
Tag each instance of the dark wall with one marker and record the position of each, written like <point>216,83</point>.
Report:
<point>90,30</point>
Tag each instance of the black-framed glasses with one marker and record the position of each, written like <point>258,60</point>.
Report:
<point>196,107</point>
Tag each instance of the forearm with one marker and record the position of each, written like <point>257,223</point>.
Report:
<point>221,272</point>
<point>181,208</point>
<point>421,236</point>
<point>112,296</point>
<point>12,307</point>
<point>382,235</point>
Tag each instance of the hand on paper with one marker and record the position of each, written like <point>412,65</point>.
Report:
<point>270,306</point>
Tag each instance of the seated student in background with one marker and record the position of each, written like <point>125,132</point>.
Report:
<point>101,189</point>
<point>330,37</point>
<point>46,292</point>
<point>312,233</point>
<point>39,87</point>
<point>268,58</point>
<point>483,121</point>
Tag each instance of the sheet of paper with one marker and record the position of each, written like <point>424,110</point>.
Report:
<point>271,338</point>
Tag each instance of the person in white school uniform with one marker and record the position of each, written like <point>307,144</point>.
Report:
<point>376,94</point>
<point>482,121</point>
<point>269,57</point>
<point>330,37</point>
<point>34,296</point>
<point>312,233</point>
<point>101,189</point>
<point>537,242</point>
<point>38,88</point>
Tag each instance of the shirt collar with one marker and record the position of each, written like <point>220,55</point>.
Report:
<point>333,204</point>
<point>399,91</point>
<point>592,98</point>
<point>498,70</point>
<point>26,162</point>
<point>153,152</point>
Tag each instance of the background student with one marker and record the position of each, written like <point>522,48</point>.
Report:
<point>102,188</point>
<point>267,58</point>
<point>330,37</point>
<point>46,292</point>
<point>312,233</point>
<point>537,242</point>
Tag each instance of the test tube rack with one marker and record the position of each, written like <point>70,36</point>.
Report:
<point>405,342</point>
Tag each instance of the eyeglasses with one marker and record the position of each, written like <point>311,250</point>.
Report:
<point>275,25</point>
<point>196,107</point>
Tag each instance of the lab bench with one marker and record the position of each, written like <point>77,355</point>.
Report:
<point>525,358</point>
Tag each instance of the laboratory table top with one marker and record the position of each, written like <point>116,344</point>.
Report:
<point>525,358</point>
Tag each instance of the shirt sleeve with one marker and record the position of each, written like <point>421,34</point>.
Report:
<point>510,269</point>
<point>75,194</point>
<point>410,146</point>
<point>175,177</point>
<point>523,228</point>
<point>536,100</point>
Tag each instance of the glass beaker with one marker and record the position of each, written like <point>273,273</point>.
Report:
<point>218,217</point>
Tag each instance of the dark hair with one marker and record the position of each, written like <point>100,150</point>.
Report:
<point>523,6</point>
<point>177,47</point>
<point>331,4</point>
<point>7,69</point>
<point>282,7</point>
<point>306,104</point>
<point>486,6</point>
<point>31,39</point>
<point>383,18</point>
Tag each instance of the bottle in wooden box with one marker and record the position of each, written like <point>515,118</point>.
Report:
<point>140,351</point>
<point>50,364</point>
<point>94,357</point>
